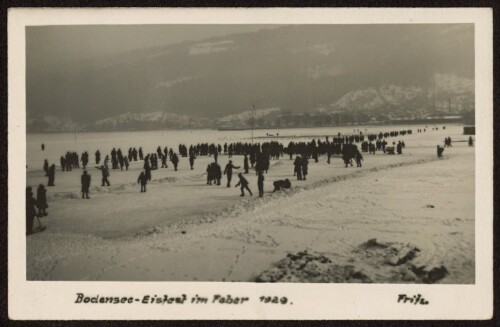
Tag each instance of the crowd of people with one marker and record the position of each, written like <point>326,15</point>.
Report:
<point>256,157</point>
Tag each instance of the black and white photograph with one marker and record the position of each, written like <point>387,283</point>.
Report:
<point>297,153</point>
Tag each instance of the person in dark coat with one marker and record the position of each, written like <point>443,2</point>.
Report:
<point>297,171</point>
<point>41,200</point>
<point>209,174</point>
<point>30,211</point>
<point>143,179</point>
<point>141,155</point>
<point>191,160</point>
<point>229,171</point>
<point>440,151</point>
<point>175,161</point>
<point>471,142</point>
<point>46,167</point>
<point>51,175</point>
<point>399,148</point>
<point>97,157</point>
<point>304,165</point>
<point>105,175</point>
<point>358,158</point>
<point>243,183</point>
<point>125,161</point>
<point>85,180</point>
<point>218,172</point>
<point>260,184</point>
<point>43,147</point>
<point>63,164</point>
<point>85,159</point>
<point>245,164</point>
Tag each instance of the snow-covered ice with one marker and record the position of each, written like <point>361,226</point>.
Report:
<point>183,229</point>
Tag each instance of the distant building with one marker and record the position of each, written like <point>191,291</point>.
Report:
<point>469,130</point>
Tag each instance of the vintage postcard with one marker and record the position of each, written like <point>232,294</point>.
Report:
<point>250,163</point>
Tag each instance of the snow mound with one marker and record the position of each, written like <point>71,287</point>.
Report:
<point>63,196</point>
<point>150,231</point>
<point>166,180</point>
<point>304,267</point>
<point>371,261</point>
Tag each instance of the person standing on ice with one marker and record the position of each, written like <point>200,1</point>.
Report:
<point>41,200</point>
<point>245,164</point>
<point>243,183</point>
<point>229,171</point>
<point>141,155</point>
<point>440,151</point>
<point>358,158</point>
<point>143,179</point>
<point>260,183</point>
<point>105,174</point>
<point>471,142</point>
<point>30,211</point>
<point>97,157</point>
<point>175,161</point>
<point>85,180</point>
<point>304,166</point>
<point>191,160</point>
<point>163,161</point>
<point>297,170</point>
<point>51,175</point>
<point>46,167</point>
<point>125,161</point>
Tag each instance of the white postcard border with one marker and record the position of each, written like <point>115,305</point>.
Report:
<point>55,300</point>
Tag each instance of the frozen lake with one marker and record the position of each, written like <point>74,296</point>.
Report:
<point>57,144</point>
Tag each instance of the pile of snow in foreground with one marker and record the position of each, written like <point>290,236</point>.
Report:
<point>397,259</point>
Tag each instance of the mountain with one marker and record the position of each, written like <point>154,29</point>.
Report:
<point>373,69</point>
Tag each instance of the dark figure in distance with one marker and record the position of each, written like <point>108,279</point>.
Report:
<point>141,155</point>
<point>245,164</point>
<point>297,171</point>
<point>125,161</point>
<point>143,179</point>
<point>440,151</point>
<point>304,165</point>
<point>30,211</point>
<point>51,175</point>
<point>191,160</point>
<point>217,172</point>
<point>105,174</point>
<point>43,147</point>
<point>358,158</point>
<point>243,183</point>
<point>46,167</point>
<point>399,148</point>
<point>175,161</point>
<point>229,171</point>
<point>97,157</point>
<point>41,200</point>
<point>63,164</point>
<point>85,180</point>
<point>260,184</point>
<point>471,142</point>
